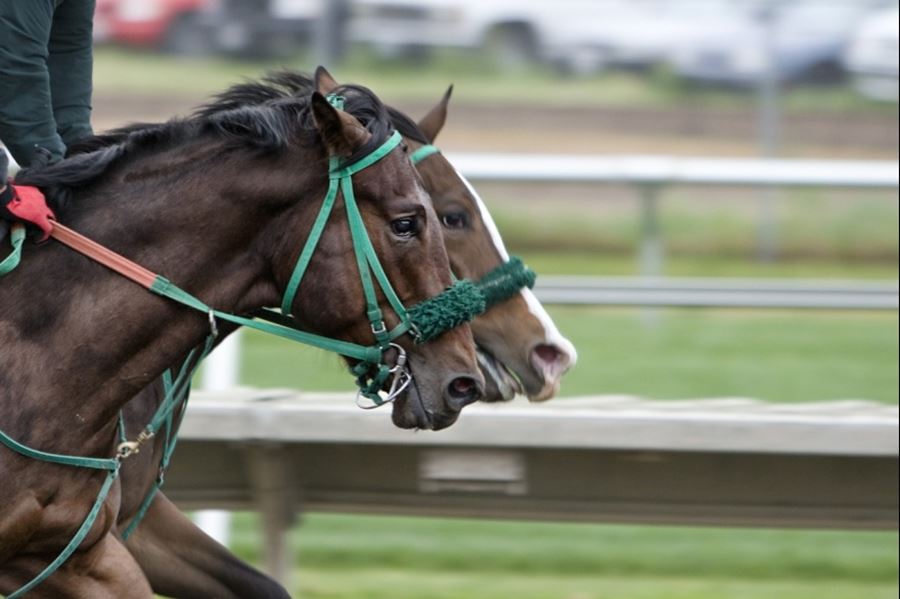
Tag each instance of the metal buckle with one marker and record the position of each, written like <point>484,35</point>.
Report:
<point>127,449</point>
<point>400,380</point>
<point>379,328</point>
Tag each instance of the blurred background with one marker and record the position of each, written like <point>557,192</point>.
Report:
<point>603,80</point>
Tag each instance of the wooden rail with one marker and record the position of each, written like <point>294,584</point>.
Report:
<point>731,462</point>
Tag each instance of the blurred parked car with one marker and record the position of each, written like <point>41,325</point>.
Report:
<point>808,38</point>
<point>579,35</point>
<point>169,25</point>
<point>872,55</point>
<point>261,27</point>
<point>247,27</point>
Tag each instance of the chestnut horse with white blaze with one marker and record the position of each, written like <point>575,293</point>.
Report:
<point>520,349</point>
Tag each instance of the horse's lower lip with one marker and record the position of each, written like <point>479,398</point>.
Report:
<point>412,414</point>
<point>507,382</point>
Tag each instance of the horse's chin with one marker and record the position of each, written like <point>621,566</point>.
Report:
<point>409,412</point>
<point>503,382</point>
<point>500,384</point>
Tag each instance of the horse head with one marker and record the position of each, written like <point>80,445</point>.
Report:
<point>405,233</point>
<point>520,348</point>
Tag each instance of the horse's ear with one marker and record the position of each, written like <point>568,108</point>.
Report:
<point>325,83</point>
<point>341,133</point>
<point>433,122</point>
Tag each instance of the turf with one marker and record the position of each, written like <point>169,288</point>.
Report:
<point>392,557</point>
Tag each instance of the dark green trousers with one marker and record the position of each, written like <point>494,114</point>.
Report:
<point>46,63</point>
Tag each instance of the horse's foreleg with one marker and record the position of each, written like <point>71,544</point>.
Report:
<point>105,571</point>
<point>183,562</point>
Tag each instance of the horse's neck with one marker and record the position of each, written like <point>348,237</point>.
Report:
<point>79,340</point>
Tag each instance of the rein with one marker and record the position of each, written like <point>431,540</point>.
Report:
<point>458,304</point>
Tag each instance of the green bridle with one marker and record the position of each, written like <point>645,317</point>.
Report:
<point>458,304</point>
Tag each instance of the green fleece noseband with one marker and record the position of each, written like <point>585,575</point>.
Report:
<point>505,281</point>
<point>455,306</point>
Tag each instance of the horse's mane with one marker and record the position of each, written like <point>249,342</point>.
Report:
<point>286,83</point>
<point>264,116</point>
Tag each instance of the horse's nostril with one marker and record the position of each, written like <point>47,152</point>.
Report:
<point>462,391</point>
<point>549,354</point>
<point>462,386</point>
<point>550,361</point>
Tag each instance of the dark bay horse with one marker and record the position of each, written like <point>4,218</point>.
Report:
<point>221,205</point>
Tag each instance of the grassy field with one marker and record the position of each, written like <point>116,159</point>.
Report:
<point>411,558</point>
<point>838,229</point>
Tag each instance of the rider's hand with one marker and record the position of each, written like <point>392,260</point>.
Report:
<point>23,203</point>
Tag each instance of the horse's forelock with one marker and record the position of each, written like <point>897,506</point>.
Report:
<point>288,92</point>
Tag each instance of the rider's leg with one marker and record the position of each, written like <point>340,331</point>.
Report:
<point>70,65</point>
<point>26,109</point>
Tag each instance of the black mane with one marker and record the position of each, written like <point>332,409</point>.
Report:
<point>277,85</point>
<point>265,116</point>
<point>285,83</point>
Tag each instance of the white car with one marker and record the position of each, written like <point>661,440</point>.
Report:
<point>581,35</point>
<point>872,55</point>
<point>808,39</point>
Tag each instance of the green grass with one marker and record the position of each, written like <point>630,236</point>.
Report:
<point>813,225</point>
<point>118,70</point>
<point>391,584</point>
<point>393,557</point>
<point>777,356</point>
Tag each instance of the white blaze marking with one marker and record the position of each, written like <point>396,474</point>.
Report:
<point>552,336</point>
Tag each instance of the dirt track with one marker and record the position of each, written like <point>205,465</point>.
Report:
<point>710,132</point>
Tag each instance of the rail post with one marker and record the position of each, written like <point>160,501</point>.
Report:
<point>651,251</point>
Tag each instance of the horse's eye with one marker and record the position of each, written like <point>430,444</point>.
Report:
<point>404,227</point>
<point>455,220</point>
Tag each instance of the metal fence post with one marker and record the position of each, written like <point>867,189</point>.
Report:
<point>769,123</point>
<point>651,245</point>
<point>273,494</point>
<point>220,373</point>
